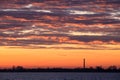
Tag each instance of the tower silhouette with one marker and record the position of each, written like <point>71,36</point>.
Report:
<point>84,64</point>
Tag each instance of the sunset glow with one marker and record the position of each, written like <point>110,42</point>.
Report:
<point>59,33</point>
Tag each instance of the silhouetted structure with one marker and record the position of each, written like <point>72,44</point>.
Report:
<point>84,64</point>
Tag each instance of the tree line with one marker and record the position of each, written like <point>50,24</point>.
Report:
<point>90,69</point>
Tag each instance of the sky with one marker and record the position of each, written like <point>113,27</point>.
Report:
<point>59,33</point>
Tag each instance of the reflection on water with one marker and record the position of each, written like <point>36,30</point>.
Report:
<point>59,76</point>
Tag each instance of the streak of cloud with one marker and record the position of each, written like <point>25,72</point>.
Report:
<point>66,24</point>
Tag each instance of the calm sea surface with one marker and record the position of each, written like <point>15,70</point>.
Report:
<point>59,76</point>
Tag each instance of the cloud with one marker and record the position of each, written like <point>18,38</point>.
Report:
<point>66,24</point>
<point>93,38</point>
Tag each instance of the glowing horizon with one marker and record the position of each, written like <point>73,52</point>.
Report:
<point>57,57</point>
<point>59,33</point>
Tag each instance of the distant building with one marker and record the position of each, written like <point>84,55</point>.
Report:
<point>84,63</point>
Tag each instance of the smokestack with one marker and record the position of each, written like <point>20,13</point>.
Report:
<point>84,64</point>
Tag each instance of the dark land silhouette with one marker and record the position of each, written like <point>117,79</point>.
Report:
<point>91,69</point>
<point>83,69</point>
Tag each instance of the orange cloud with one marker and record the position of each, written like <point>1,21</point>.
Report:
<point>12,18</point>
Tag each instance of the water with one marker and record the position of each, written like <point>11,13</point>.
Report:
<point>59,76</point>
